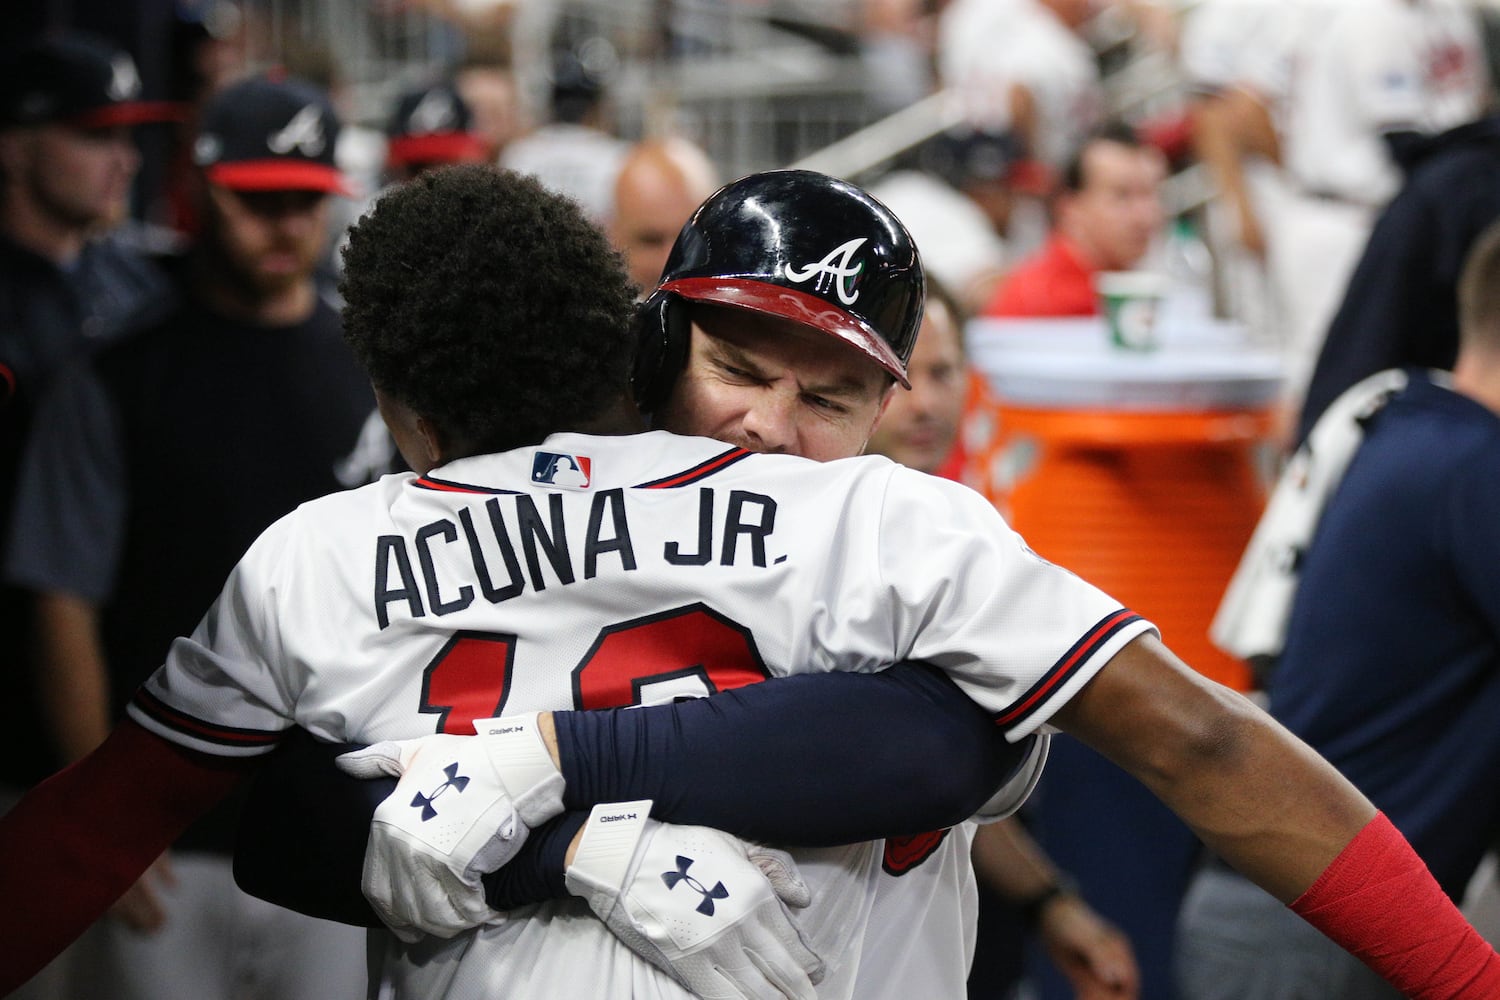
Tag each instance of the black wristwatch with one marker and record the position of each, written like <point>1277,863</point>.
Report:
<point>1031,909</point>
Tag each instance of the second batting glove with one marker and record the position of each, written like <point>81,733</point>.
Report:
<point>703,906</point>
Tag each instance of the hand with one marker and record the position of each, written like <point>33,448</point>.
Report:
<point>1092,953</point>
<point>461,809</point>
<point>705,907</point>
<point>140,908</point>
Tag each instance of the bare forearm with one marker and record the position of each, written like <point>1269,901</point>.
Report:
<point>72,680</point>
<point>1010,862</point>
<point>1250,790</point>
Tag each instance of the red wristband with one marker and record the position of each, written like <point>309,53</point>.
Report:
<point>1378,900</point>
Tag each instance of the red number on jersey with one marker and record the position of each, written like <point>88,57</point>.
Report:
<point>688,651</point>
<point>468,679</point>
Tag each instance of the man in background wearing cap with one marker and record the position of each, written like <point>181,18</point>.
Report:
<point>230,404</point>
<point>575,153</point>
<point>431,126</point>
<point>67,160</point>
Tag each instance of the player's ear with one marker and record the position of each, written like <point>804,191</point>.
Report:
<point>885,400</point>
<point>433,440</point>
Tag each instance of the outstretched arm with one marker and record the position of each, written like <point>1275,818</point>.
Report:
<point>1283,816</point>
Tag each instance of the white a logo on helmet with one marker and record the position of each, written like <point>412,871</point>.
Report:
<point>124,81</point>
<point>434,113</point>
<point>304,132</point>
<point>838,267</point>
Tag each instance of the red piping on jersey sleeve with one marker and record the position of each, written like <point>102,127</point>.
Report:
<point>82,837</point>
<point>1084,648</point>
<point>700,471</point>
<point>447,486</point>
<point>172,718</point>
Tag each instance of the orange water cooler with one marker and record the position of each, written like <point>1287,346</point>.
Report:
<point>1143,472</point>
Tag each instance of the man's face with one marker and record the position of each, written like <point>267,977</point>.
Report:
<point>771,385</point>
<point>650,208</point>
<point>270,241</point>
<point>79,178</point>
<point>1118,213</point>
<point>920,426</point>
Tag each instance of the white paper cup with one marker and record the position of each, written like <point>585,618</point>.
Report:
<point>1131,302</point>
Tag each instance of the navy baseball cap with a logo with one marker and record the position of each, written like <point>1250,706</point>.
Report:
<point>433,125</point>
<point>75,79</point>
<point>265,134</point>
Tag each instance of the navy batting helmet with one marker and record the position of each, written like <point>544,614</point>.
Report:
<point>793,244</point>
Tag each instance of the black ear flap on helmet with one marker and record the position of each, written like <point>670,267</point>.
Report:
<point>661,348</point>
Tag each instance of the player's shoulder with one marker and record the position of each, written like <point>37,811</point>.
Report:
<point>352,510</point>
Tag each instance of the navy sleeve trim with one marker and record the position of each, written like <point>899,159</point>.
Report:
<point>1068,665</point>
<point>228,736</point>
<point>446,486</point>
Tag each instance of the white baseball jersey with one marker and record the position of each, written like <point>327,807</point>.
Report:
<point>1362,68</point>
<point>601,571</point>
<point>1228,43</point>
<point>986,46</point>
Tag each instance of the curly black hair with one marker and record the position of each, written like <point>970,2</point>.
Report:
<point>489,305</point>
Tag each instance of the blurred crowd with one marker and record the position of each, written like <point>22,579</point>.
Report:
<point>177,181</point>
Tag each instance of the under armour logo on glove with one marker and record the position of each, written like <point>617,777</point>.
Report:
<point>455,781</point>
<point>706,907</point>
<point>628,866</point>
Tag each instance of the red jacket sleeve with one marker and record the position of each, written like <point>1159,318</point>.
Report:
<point>81,838</point>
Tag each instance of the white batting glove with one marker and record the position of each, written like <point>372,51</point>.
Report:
<point>461,809</point>
<point>699,904</point>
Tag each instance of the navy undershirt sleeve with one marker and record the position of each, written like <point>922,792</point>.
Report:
<point>810,760</point>
<point>813,759</point>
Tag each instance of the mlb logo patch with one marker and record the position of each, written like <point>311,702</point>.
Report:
<point>568,471</point>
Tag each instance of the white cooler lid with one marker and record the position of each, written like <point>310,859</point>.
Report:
<point>1071,363</point>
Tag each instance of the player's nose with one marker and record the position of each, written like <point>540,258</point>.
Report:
<point>770,421</point>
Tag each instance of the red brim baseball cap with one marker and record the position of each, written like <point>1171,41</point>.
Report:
<point>436,147</point>
<point>130,113</point>
<point>277,175</point>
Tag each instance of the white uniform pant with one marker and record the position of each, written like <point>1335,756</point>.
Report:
<point>1313,245</point>
<point>219,943</point>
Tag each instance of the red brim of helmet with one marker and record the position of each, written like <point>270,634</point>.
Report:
<point>277,175</point>
<point>798,307</point>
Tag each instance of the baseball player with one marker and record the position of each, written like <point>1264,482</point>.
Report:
<point>458,589</point>
<point>1351,78</point>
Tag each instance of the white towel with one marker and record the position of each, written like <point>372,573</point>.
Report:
<point>1251,620</point>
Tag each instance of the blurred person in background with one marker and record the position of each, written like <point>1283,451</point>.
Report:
<point>1390,662</point>
<point>956,197</point>
<point>430,126</point>
<point>1235,137</point>
<point>1023,66</point>
<point>661,182</point>
<point>576,152</point>
<point>1360,80</point>
<point>488,87</point>
<point>150,470</point>
<point>68,284</point>
<point>1401,305</point>
<point>1106,217</point>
